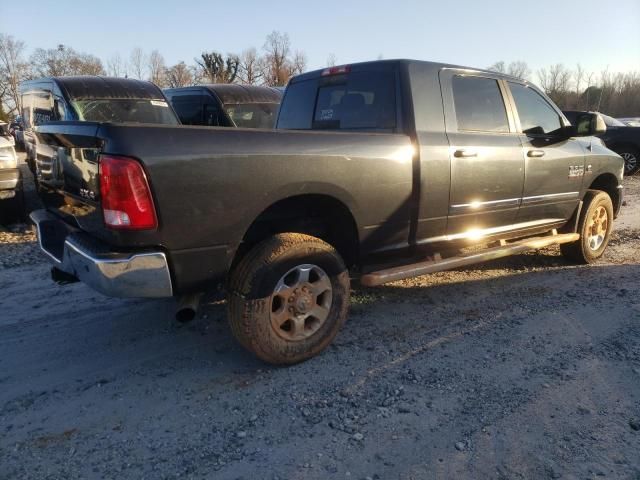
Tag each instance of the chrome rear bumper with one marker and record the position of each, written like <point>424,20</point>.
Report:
<point>139,274</point>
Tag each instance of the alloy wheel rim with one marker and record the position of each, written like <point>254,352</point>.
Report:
<point>597,228</point>
<point>301,302</point>
<point>630,161</point>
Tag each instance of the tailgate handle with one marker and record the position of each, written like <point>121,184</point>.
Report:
<point>535,153</point>
<point>462,153</point>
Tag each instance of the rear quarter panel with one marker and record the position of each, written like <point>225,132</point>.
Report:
<point>210,184</point>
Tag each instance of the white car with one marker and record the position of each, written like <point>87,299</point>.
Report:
<point>11,194</point>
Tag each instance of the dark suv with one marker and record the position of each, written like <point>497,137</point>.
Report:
<point>621,138</point>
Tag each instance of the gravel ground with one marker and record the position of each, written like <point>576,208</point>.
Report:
<point>517,369</point>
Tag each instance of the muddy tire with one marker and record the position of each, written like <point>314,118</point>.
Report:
<point>594,227</point>
<point>288,298</point>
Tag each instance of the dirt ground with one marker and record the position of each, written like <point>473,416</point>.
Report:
<point>525,368</point>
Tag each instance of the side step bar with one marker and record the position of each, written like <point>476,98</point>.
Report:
<point>437,265</point>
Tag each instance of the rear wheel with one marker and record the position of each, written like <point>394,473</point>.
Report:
<point>594,227</point>
<point>288,298</point>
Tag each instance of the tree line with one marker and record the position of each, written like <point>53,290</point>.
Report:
<point>614,94</point>
<point>272,65</point>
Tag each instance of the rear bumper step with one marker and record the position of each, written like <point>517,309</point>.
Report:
<point>115,274</point>
<point>431,266</point>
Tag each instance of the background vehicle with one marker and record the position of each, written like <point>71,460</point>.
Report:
<point>222,105</point>
<point>87,98</point>
<point>383,167</point>
<point>5,132</point>
<point>630,121</point>
<point>11,194</point>
<point>621,138</point>
<point>16,129</point>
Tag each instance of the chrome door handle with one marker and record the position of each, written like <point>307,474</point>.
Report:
<point>462,153</point>
<point>535,153</point>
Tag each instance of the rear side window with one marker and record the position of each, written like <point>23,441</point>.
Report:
<point>188,108</point>
<point>479,105</point>
<point>536,115</point>
<point>356,101</point>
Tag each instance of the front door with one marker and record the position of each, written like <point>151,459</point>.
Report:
<point>487,165</point>
<point>554,164</point>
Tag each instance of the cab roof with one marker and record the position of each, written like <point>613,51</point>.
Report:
<point>92,87</point>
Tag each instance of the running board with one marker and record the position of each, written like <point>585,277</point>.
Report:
<point>437,265</point>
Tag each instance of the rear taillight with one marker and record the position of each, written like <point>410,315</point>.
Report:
<point>125,194</point>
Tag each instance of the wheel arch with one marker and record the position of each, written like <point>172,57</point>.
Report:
<point>320,215</point>
<point>607,182</point>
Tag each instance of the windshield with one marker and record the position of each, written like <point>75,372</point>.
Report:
<point>612,122</point>
<point>125,111</point>
<point>253,115</point>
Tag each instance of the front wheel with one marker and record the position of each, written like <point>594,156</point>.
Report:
<point>288,298</point>
<point>594,227</point>
<point>631,158</point>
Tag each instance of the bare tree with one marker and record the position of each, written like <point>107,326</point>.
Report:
<point>179,76</point>
<point>277,48</point>
<point>298,63</point>
<point>136,63</point>
<point>250,69</point>
<point>498,67</point>
<point>63,61</point>
<point>13,70</point>
<point>519,69</point>
<point>331,60</point>
<point>157,69</point>
<point>116,67</point>
<point>217,69</point>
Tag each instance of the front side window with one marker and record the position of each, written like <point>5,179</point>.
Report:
<point>537,117</point>
<point>42,111</point>
<point>479,105</point>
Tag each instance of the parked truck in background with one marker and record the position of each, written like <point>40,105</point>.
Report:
<point>86,98</point>
<point>378,171</point>
<point>226,105</point>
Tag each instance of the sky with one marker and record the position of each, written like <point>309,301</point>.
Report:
<point>476,33</point>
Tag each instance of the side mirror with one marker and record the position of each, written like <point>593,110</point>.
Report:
<point>589,124</point>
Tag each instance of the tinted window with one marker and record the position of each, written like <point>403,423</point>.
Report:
<point>296,111</point>
<point>128,110</point>
<point>188,108</point>
<point>357,101</point>
<point>536,115</point>
<point>253,115</point>
<point>214,116</point>
<point>479,105</point>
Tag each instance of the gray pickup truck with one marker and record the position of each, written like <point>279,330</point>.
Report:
<point>379,171</point>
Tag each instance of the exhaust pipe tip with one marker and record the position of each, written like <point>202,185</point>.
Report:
<point>188,307</point>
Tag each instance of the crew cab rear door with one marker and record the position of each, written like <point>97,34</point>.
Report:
<point>554,164</point>
<point>487,165</point>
